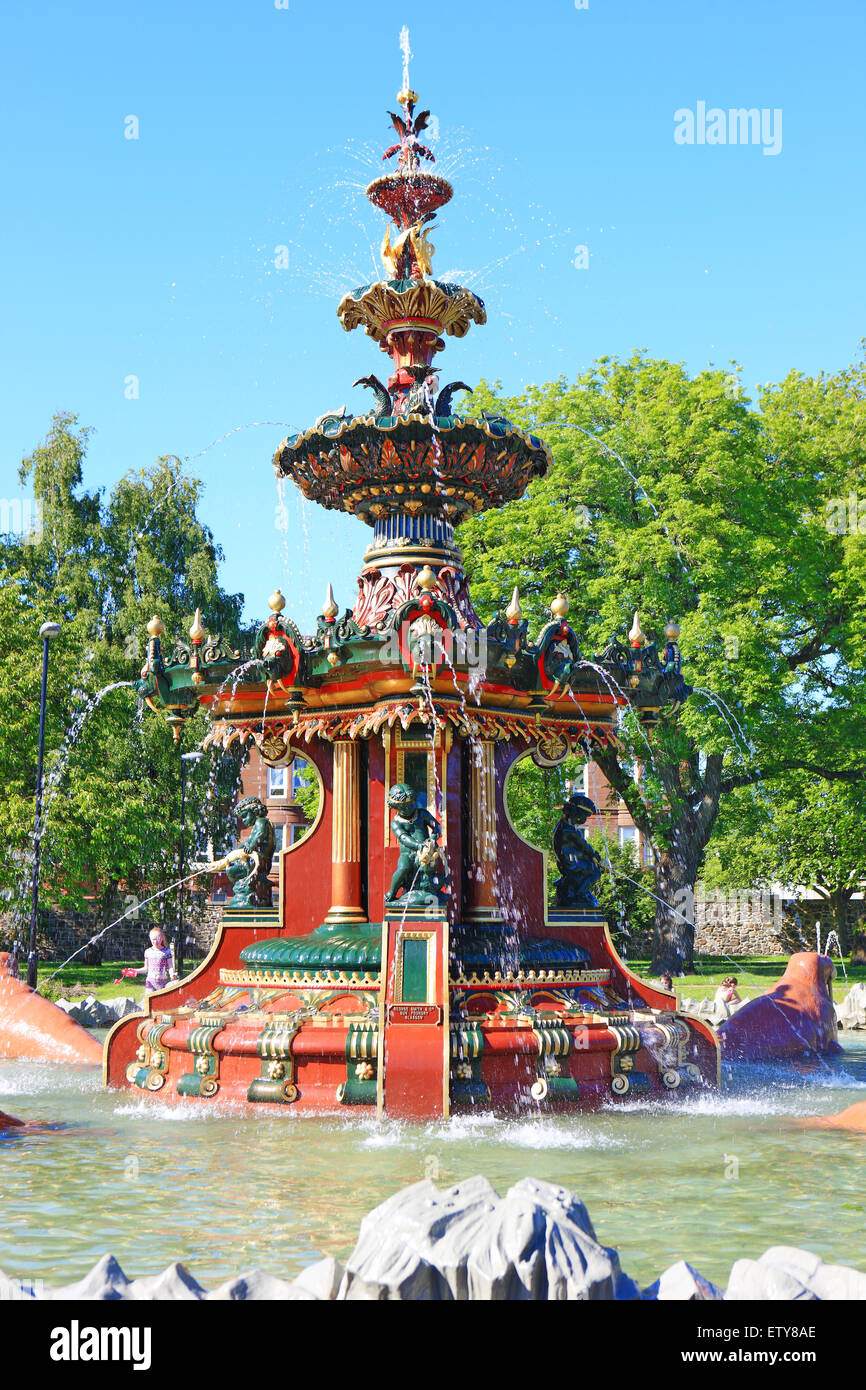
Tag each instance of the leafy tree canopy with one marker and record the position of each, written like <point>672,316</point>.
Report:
<point>103,567</point>
<point>676,496</point>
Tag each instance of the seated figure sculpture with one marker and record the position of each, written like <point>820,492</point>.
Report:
<point>249,863</point>
<point>249,871</point>
<point>421,875</point>
<point>578,863</point>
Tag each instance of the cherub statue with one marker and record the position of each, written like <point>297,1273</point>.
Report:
<point>249,863</point>
<point>578,863</point>
<point>421,874</point>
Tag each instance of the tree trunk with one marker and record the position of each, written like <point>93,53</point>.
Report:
<point>839,903</point>
<point>674,934</point>
<point>688,829</point>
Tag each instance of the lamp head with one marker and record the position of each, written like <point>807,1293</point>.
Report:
<point>49,630</point>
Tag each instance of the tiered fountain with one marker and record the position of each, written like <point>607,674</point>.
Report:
<point>413,966</point>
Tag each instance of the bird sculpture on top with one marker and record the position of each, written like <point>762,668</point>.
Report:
<point>408,129</point>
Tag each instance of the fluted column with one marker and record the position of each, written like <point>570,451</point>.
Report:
<point>482,832</point>
<point>346,835</point>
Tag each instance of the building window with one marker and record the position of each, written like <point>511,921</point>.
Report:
<point>279,839</point>
<point>647,852</point>
<point>628,835</point>
<point>299,767</point>
<point>277,781</point>
<point>575,785</point>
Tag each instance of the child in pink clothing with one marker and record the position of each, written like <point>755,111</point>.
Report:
<point>158,966</point>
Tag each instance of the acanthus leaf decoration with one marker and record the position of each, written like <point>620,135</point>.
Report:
<point>375,600</point>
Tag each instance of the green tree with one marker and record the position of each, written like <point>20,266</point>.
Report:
<point>307,793</point>
<point>535,799</point>
<point>112,808</point>
<point>624,890</point>
<point>671,495</point>
<point>808,835</point>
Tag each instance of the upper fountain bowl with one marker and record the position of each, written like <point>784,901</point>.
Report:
<point>371,466</point>
<point>407,197</point>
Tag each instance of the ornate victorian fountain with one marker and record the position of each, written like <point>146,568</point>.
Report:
<point>413,965</point>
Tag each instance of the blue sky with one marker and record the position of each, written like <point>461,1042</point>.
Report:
<point>258,128</point>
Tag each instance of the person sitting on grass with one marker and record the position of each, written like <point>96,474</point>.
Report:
<point>727,993</point>
<point>158,966</point>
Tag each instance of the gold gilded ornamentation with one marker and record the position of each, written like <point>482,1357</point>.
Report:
<point>329,607</point>
<point>346,803</point>
<point>559,606</point>
<point>273,747</point>
<point>382,307</point>
<point>550,750</point>
<point>514,612</point>
<point>414,238</point>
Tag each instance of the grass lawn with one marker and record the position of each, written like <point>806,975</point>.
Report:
<point>92,979</point>
<point>755,974</point>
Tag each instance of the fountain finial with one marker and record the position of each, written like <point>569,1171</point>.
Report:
<point>330,608</point>
<point>514,612</point>
<point>197,631</point>
<point>636,636</point>
<point>559,606</point>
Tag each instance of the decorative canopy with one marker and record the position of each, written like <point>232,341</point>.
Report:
<point>412,468</point>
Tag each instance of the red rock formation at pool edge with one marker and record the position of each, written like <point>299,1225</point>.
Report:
<point>853,1119</point>
<point>32,1027</point>
<point>795,1018</point>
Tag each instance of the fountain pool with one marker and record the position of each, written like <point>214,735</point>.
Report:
<point>716,1177</point>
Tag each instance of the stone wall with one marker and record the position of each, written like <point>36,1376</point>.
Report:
<point>754,925</point>
<point>745,927</point>
<point>63,934</point>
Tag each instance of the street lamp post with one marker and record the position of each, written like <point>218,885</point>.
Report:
<point>46,632</point>
<point>178,950</point>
